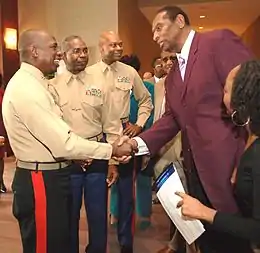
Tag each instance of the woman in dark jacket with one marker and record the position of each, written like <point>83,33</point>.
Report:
<point>242,100</point>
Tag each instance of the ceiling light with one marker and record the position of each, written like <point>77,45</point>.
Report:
<point>202,16</point>
<point>201,27</point>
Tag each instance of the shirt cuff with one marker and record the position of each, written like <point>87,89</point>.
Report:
<point>141,120</point>
<point>113,162</point>
<point>142,147</point>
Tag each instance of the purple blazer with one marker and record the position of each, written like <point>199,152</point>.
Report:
<point>195,107</point>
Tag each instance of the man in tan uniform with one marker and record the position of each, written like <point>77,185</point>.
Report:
<point>120,80</point>
<point>42,142</point>
<point>88,109</point>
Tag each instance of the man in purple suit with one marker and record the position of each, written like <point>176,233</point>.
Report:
<point>194,91</point>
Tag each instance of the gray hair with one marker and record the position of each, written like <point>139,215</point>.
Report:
<point>65,43</point>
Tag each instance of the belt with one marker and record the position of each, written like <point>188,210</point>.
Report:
<point>42,165</point>
<point>85,163</point>
<point>99,137</point>
<point>124,120</point>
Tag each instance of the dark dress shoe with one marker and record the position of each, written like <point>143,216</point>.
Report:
<point>126,249</point>
<point>166,250</point>
<point>155,201</point>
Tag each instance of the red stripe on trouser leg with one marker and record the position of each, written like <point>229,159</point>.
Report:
<point>40,212</point>
<point>134,196</point>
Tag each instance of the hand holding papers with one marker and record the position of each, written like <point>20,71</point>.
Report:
<point>167,184</point>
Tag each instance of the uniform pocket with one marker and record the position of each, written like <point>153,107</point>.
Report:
<point>122,91</point>
<point>23,205</point>
<point>92,108</point>
<point>23,196</point>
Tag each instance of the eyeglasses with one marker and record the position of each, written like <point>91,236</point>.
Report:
<point>171,58</point>
<point>79,51</point>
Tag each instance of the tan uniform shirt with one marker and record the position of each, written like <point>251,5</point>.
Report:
<point>87,107</point>
<point>34,125</point>
<point>120,79</point>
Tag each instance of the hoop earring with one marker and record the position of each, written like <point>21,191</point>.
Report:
<point>238,124</point>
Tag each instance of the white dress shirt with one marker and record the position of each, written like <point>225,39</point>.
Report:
<point>156,79</point>
<point>62,67</point>
<point>183,60</point>
<point>162,111</point>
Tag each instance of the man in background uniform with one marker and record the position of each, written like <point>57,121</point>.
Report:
<point>88,109</point>
<point>120,79</point>
<point>158,71</point>
<point>42,142</point>
<point>171,152</point>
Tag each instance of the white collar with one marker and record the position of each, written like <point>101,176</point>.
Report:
<point>156,79</point>
<point>186,47</point>
<point>32,70</point>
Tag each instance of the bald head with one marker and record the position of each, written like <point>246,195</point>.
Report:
<point>111,47</point>
<point>39,49</point>
<point>108,36</point>
<point>29,39</point>
<point>147,75</point>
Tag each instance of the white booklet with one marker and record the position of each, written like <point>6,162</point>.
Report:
<point>167,184</point>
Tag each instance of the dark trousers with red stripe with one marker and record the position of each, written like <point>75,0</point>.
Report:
<point>126,207</point>
<point>92,183</point>
<point>41,206</point>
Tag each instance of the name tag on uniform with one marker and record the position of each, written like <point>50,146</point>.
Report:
<point>123,79</point>
<point>93,91</point>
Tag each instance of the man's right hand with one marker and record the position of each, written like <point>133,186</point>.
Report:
<point>123,149</point>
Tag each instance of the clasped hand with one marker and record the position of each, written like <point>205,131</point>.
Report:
<point>124,149</point>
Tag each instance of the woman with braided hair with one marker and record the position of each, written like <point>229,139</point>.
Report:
<point>242,100</point>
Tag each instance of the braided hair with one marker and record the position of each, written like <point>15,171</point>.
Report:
<point>245,97</point>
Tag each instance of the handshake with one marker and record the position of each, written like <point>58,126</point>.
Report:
<point>124,149</point>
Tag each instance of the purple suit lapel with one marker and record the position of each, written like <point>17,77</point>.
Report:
<point>191,60</point>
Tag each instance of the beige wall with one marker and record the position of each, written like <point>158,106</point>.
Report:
<point>87,19</point>
<point>32,14</point>
<point>251,37</point>
<point>65,17</point>
<point>136,33</point>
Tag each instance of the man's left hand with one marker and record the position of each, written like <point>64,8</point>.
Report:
<point>132,130</point>
<point>112,175</point>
